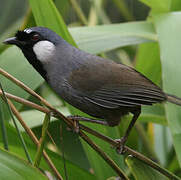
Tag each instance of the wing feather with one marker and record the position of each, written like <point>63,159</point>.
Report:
<point>126,96</point>
<point>112,85</point>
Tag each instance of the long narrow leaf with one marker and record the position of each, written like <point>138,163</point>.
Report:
<point>101,38</point>
<point>47,15</point>
<point>12,167</point>
<point>169,27</point>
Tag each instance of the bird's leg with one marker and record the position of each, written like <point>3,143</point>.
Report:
<point>76,126</point>
<point>122,141</point>
<point>79,118</point>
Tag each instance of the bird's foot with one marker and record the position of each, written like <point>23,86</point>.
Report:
<point>76,127</point>
<point>75,123</point>
<point>120,148</point>
<point>53,113</point>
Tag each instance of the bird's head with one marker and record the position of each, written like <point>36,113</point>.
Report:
<point>36,43</point>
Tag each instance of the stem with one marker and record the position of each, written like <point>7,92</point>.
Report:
<point>68,121</point>
<point>25,102</point>
<point>121,5</point>
<point>15,124</point>
<point>34,139</point>
<point>152,164</point>
<point>79,12</point>
<point>130,151</point>
<point>106,139</point>
<point>41,143</point>
<point>103,155</point>
<point>30,91</point>
<point>3,129</point>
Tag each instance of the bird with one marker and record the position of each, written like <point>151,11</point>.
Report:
<point>97,86</point>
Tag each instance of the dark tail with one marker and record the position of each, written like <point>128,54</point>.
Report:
<point>173,99</point>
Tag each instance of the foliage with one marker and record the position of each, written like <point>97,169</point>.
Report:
<point>150,42</point>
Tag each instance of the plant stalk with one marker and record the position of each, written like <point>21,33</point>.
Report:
<point>41,143</point>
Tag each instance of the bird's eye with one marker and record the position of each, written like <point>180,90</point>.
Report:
<point>35,37</point>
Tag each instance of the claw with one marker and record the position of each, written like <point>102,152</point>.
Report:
<point>76,126</point>
<point>75,123</point>
<point>120,148</point>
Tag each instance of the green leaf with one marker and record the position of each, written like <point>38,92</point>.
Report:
<point>162,143</point>
<point>150,65</point>
<point>12,167</point>
<point>47,15</point>
<point>74,172</point>
<point>9,31</point>
<point>168,27</point>
<point>65,140</point>
<point>34,118</point>
<point>149,117</point>
<point>101,38</point>
<point>142,171</point>
<point>13,61</point>
<point>176,5</point>
<point>99,166</point>
<point>15,147</point>
<point>7,8</point>
<point>158,6</point>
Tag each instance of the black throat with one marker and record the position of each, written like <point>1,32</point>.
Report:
<point>32,59</point>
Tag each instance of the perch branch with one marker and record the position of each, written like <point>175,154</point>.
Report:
<point>91,131</point>
<point>69,122</point>
<point>34,139</point>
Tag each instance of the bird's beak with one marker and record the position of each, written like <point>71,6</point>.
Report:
<point>12,40</point>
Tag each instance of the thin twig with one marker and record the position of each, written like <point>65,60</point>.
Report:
<point>110,141</point>
<point>34,139</point>
<point>107,139</point>
<point>69,122</point>
<point>41,143</point>
<point>30,91</point>
<point>103,155</point>
<point>26,102</point>
<point>130,151</point>
<point>104,138</point>
<point>107,159</point>
<point>152,164</point>
<point>51,139</point>
<point>15,124</point>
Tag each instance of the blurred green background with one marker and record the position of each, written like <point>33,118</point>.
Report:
<point>144,34</point>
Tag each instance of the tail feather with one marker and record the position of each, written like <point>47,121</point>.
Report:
<point>173,99</point>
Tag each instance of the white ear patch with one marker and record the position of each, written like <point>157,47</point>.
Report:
<point>44,50</point>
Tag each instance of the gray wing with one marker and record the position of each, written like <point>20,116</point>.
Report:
<point>125,97</point>
<point>112,85</point>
